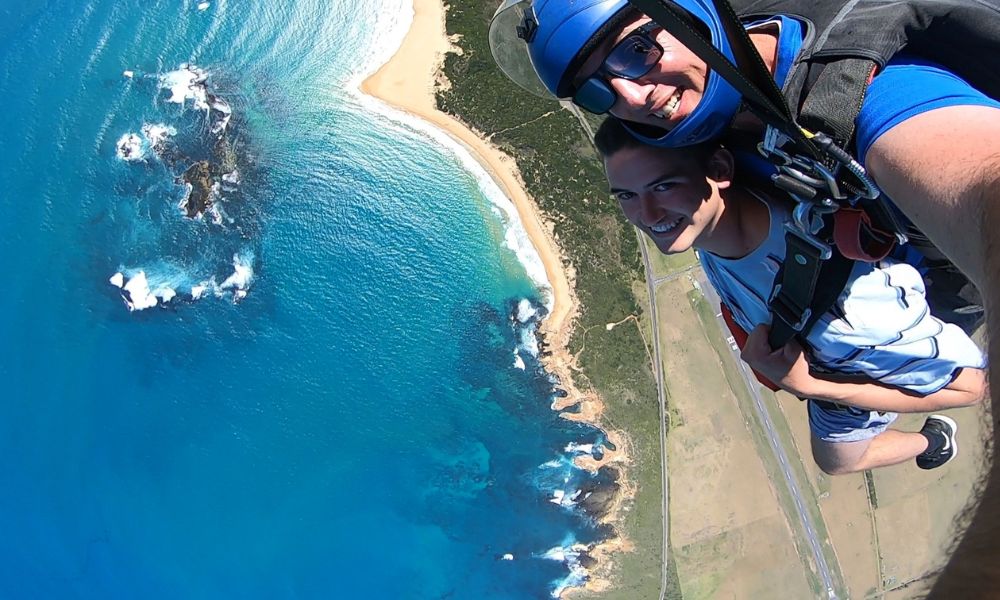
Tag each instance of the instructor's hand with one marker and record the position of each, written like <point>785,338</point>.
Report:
<point>787,367</point>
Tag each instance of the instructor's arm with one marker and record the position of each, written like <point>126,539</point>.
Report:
<point>944,168</point>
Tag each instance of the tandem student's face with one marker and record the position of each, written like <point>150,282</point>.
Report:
<point>669,196</point>
<point>666,94</point>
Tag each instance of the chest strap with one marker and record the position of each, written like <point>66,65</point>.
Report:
<point>805,288</point>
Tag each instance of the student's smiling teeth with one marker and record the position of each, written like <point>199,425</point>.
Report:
<point>665,227</point>
<point>670,107</point>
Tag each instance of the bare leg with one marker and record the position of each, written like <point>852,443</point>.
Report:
<point>888,448</point>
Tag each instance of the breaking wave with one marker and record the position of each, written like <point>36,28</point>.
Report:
<point>190,232</point>
<point>569,553</point>
<point>157,285</point>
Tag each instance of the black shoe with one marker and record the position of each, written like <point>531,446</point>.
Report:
<point>939,425</point>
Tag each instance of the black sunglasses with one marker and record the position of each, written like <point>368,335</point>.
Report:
<point>631,58</point>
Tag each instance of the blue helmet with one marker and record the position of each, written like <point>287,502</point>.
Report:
<point>561,34</point>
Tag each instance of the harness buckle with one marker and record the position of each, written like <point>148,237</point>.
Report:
<point>793,316</point>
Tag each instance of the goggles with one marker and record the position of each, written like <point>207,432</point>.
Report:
<point>631,58</point>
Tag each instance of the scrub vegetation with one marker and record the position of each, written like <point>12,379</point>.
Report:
<point>564,175</point>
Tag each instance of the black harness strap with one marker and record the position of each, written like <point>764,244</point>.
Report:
<point>825,108</point>
<point>809,286</point>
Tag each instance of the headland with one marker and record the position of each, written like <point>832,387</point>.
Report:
<point>415,80</point>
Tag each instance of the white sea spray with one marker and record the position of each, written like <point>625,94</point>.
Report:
<point>186,83</point>
<point>580,448</point>
<point>525,311</point>
<point>130,147</point>
<point>569,554</point>
<point>139,294</point>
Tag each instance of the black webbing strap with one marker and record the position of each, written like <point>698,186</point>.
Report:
<point>768,104</point>
<point>809,286</point>
<point>826,107</point>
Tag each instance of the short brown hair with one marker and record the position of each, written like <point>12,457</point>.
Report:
<point>612,137</point>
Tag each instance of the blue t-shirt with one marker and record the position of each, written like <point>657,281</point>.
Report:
<point>906,87</point>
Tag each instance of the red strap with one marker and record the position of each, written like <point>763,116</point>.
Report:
<point>848,224</point>
<point>741,340</point>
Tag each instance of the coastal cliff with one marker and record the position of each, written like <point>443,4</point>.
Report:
<point>609,369</point>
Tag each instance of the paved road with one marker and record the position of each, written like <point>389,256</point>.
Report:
<point>661,392</point>
<point>657,369</point>
<point>777,448</point>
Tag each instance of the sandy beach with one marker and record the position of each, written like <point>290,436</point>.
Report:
<point>407,82</point>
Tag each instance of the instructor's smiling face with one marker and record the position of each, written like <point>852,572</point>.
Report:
<point>663,96</point>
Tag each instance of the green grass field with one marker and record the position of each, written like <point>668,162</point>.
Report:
<point>706,315</point>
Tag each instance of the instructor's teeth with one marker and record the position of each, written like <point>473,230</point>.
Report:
<point>670,107</point>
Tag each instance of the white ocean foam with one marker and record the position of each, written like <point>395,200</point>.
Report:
<point>230,181</point>
<point>529,341</point>
<point>186,83</point>
<point>578,576</point>
<point>190,83</point>
<point>204,6</point>
<point>135,147</point>
<point>147,287</point>
<point>561,498</point>
<point>137,294</point>
<point>239,282</point>
<point>182,205</point>
<point>129,74</point>
<point>507,556</point>
<point>569,554</point>
<point>516,239</point>
<point>130,147</point>
<point>518,361</point>
<point>242,273</point>
<point>525,310</point>
<point>215,204</point>
<point>580,448</point>
<point>564,462</point>
<point>216,213</point>
<point>558,553</point>
<point>157,133</point>
<point>218,104</point>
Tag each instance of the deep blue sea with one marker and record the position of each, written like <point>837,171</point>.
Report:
<point>336,393</point>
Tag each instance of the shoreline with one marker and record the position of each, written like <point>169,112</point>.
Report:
<point>408,82</point>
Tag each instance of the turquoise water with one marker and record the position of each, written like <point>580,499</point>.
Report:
<point>336,394</point>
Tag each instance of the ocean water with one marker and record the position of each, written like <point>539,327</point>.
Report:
<point>324,385</point>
